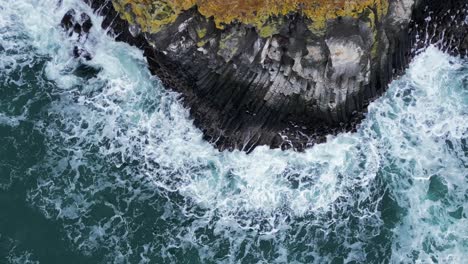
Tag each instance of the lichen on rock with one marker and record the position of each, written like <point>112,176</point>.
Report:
<point>152,15</point>
<point>264,64</point>
<point>283,73</point>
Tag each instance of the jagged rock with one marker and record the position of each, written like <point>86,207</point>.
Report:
<point>86,23</point>
<point>68,20</point>
<point>81,27</point>
<point>86,71</point>
<point>81,53</point>
<point>260,74</point>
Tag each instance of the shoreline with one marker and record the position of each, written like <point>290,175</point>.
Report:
<point>245,130</point>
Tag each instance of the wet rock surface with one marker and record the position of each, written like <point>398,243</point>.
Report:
<point>78,25</point>
<point>443,24</point>
<point>295,87</point>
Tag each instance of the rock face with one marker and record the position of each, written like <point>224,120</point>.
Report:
<point>286,73</point>
<point>78,25</point>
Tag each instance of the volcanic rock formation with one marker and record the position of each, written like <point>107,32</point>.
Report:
<point>283,73</point>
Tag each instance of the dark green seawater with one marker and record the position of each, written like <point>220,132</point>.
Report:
<point>100,164</point>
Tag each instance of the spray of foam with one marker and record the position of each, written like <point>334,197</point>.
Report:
<point>430,149</point>
<point>125,158</point>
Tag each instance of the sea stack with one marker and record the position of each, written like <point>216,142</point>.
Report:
<point>282,73</point>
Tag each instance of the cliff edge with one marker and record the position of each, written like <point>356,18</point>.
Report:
<point>281,73</point>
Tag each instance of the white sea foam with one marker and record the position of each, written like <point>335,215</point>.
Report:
<point>121,134</point>
<point>9,121</point>
<point>14,255</point>
<point>429,138</point>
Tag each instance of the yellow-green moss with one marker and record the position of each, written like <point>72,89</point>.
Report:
<point>201,43</point>
<point>370,17</point>
<point>152,15</point>
<point>201,33</point>
<point>228,44</point>
<point>270,28</point>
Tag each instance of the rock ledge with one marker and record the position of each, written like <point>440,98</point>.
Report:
<point>288,82</point>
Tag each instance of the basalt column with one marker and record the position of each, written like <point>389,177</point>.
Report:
<point>283,73</point>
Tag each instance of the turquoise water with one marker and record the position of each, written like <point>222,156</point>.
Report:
<point>105,166</point>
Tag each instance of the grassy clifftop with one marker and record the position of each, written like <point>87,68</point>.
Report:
<point>152,15</point>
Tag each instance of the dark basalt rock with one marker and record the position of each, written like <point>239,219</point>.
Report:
<point>293,89</point>
<point>87,24</point>
<point>86,71</point>
<point>81,53</point>
<point>443,24</point>
<point>81,27</point>
<point>68,20</point>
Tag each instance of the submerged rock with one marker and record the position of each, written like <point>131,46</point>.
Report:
<point>284,74</point>
<point>81,53</point>
<point>76,24</point>
<point>68,20</point>
<point>81,26</point>
<point>86,23</point>
<point>86,71</point>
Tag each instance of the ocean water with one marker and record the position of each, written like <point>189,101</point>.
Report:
<point>99,163</point>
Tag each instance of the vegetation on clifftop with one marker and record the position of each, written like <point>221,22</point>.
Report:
<point>152,15</point>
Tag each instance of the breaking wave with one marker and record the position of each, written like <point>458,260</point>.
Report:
<point>127,178</point>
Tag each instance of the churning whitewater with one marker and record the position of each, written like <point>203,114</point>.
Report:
<point>101,164</point>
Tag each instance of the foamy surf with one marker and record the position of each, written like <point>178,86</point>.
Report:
<point>127,178</point>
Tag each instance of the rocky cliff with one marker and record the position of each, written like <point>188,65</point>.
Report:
<point>281,73</point>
